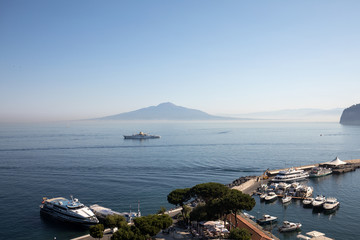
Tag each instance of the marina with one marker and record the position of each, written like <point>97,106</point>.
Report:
<point>287,192</point>
<point>92,162</point>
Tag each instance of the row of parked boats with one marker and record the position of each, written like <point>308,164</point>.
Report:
<point>303,192</point>
<point>287,190</point>
<point>320,201</point>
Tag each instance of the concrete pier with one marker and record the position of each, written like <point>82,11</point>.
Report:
<point>250,186</point>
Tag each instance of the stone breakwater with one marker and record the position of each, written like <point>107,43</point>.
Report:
<point>240,180</point>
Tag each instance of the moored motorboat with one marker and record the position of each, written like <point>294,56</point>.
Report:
<point>286,199</point>
<point>318,201</point>
<point>271,196</point>
<point>307,203</point>
<point>319,172</point>
<point>304,191</point>
<point>65,210</point>
<point>282,188</point>
<point>294,187</point>
<point>289,226</point>
<point>248,215</point>
<point>263,196</point>
<point>331,203</point>
<point>266,219</point>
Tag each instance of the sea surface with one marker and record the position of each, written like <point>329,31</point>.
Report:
<point>92,162</point>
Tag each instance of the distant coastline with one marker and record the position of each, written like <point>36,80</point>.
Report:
<point>171,112</point>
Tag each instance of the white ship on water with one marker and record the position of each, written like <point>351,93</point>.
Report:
<point>290,175</point>
<point>66,210</point>
<point>141,135</point>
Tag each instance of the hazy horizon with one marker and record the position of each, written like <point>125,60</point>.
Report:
<point>74,60</point>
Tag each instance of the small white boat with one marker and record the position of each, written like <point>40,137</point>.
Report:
<point>304,191</point>
<point>271,196</point>
<point>282,188</point>
<point>249,216</point>
<point>266,219</point>
<point>263,196</point>
<point>308,202</point>
<point>331,203</point>
<point>289,226</point>
<point>295,186</point>
<point>318,201</point>
<point>286,199</point>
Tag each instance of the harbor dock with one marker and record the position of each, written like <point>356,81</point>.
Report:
<point>250,186</point>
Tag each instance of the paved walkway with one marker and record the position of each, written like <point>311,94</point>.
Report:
<point>178,233</point>
<point>107,236</point>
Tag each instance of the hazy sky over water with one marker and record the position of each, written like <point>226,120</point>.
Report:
<point>83,59</point>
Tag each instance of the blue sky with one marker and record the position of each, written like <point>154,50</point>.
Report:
<point>82,59</point>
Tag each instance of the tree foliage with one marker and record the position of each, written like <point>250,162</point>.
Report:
<point>152,224</point>
<point>162,210</point>
<point>179,196</point>
<point>239,234</point>
<point>235,201</point>
<point>209,191</point>
<point>199,213</point>
<point>218,200</point>
<point>97,231</point>
<point>113,221</point>
<point>144,227</point>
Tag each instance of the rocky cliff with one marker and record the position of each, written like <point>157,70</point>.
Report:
<point>351,115</point>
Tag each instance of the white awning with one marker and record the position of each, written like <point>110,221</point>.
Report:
<point>335,162</point>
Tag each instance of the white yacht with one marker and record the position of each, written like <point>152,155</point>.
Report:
<point>271,196</point>
<point>304,191</point>
<point>282,188</point>
<point>140,135</point>
<point>331,203</point>
<point>263,196</point>
<point>266,219</point>
<point>68,211</point>
<point>289,226</point>
<point>290,175</point>
<point>318,201</point>
<point>294,188</point>
<point>307,202</point>
<point>286,199</point>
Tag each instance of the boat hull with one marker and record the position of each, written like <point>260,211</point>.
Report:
<point>289,229</point>
<point>139,137</point>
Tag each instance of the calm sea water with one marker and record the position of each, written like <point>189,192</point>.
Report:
<point>93,162</point>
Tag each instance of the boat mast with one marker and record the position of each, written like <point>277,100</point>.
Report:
<point>139,213</point>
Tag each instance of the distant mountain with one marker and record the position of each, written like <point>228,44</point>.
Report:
<point>166,111</point>
<point>351,115</point>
